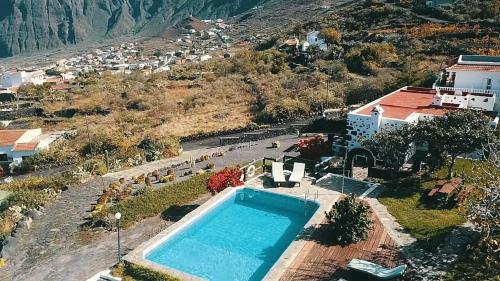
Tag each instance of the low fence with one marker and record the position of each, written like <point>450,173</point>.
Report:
<point>260,135</point>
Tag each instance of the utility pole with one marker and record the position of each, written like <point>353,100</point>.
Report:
<point>327,91</point>
<point>88,135</point>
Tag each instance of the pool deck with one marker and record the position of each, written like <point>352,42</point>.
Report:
<point>316,257</point>
<point>324,197</point>
<point>311,256</point>
<point>321,259</point>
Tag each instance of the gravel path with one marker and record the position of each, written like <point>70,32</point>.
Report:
<point>55,248</point>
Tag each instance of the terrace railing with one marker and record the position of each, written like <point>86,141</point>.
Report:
<point>480,91</point>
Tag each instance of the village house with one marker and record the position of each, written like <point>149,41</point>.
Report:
<point>479,74</point>
<point>17,145</point>
<point>470,82</point>
<point>14,79</point>
<point>410,105</point>
<point>314,38</point>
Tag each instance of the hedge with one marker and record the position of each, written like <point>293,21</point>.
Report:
<point>132,272</point>
<point>154,202</point>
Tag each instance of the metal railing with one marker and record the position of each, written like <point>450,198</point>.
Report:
<point>469,90</point>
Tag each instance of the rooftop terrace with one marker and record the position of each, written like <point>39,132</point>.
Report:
<point>402,103</point>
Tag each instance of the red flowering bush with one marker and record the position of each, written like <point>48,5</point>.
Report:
<point>223,179</point>
<point>313,148</point>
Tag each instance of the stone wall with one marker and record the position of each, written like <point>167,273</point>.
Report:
<point>21,113</point>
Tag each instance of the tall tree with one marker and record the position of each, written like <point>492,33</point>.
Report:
<point>392,147</point>
<point>456,133</point>
<point>484,208</point>
<point>482,259</point>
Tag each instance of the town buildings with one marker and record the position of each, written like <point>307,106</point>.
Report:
<point>16,145</point>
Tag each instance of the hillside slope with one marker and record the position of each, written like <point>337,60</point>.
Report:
<point>28,25</point>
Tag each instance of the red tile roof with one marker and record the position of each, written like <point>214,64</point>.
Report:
<point>25,146</point>
<point>402,103</point>
<point>9,137</point>
<point>470,67</point>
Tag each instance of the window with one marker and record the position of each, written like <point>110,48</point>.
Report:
<point>486,84</point>
<point>4,157</point>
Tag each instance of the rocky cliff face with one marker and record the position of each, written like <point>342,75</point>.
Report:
<point>30,25</point>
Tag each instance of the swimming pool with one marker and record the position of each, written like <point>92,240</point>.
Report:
<point>239,239</point>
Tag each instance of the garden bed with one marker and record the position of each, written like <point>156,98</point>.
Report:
<point>154,202</point>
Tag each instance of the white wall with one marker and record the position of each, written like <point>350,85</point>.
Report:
<point>17,156</point>
<point>6,150</point>
<point>313,38</point>
<point>364,126</point>
<point>18,78</point>
<point>470,101</point>
<point>474,79</point>
<point>12,79</point>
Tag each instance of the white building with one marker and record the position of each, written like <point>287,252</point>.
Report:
<point>18,78</point>
<point>205,57</point>
<point>437,3</point>
<point>313,38</point>
<point>410,105</point>
<point>16,145</point>
<point>479,74</point>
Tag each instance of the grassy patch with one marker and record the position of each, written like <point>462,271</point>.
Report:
<point>132,272</point>
<point>154,202</point>
<point>405,201</point>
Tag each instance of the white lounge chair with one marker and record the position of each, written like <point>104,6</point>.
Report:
<point>278,173</point>
<point>376,270</point>
<point>298,173</point>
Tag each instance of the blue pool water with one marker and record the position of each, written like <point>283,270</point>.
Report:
<point>239,239</point>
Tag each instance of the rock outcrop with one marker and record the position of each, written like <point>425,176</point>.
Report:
<point>31,25</point>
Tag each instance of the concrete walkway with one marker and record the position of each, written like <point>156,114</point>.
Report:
<point>393,228</point>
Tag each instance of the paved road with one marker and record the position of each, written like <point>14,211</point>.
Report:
<point>55,248</point>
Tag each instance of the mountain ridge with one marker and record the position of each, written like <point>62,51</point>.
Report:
<point>27,25</point>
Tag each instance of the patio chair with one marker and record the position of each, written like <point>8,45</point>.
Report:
<point>376,270</point>
<point>298,173</point>
<point>278,173</point>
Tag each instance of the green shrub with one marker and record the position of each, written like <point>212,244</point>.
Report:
<point>158,146</point>
<point>154,202</point>
<point>101,142</point>
<point>351,220</point>
<point>287,109</point>
<point>54,157</point>
<point>28,198</point>
<point>40,183</point>
<point>366,58</point>
<point>132,272</point>
<point>95,167</point>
